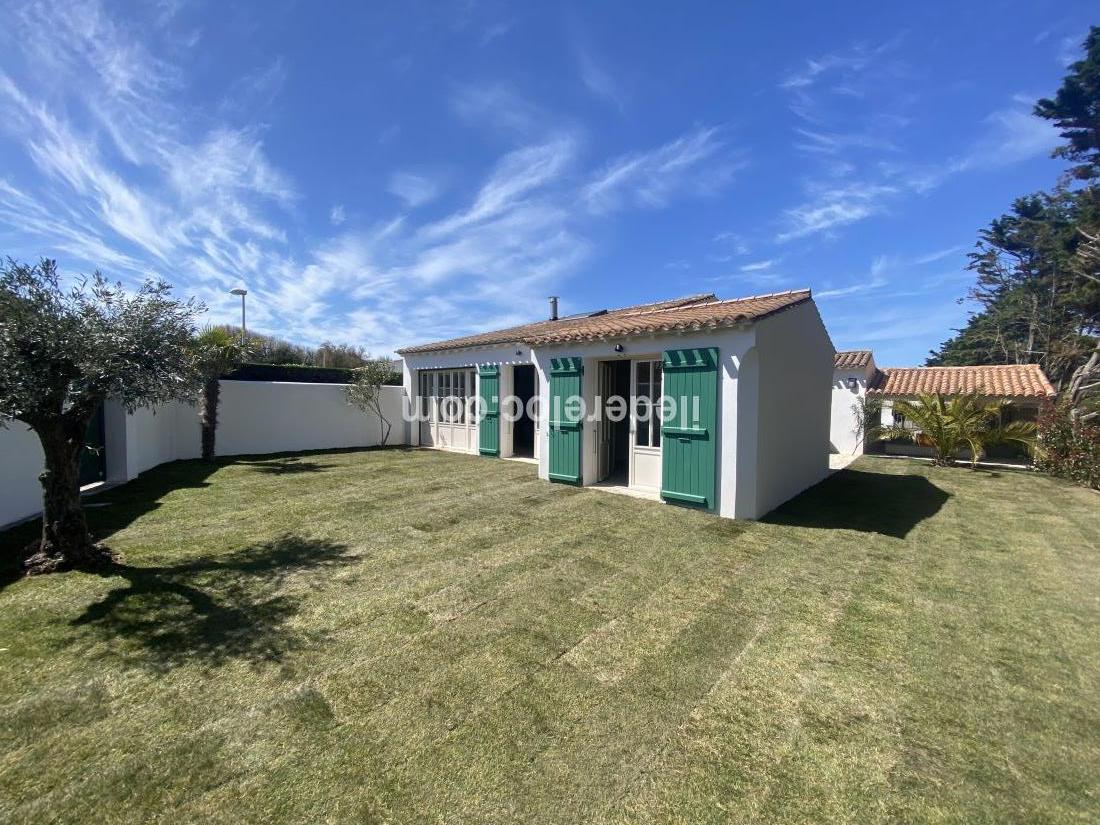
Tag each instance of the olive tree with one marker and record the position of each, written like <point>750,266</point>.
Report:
<point>62,353</point>
<point>366,392</point>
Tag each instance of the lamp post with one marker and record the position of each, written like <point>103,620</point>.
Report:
<point>242,292</point>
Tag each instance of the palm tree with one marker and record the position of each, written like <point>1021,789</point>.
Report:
<point>217,350</point>
<point>949,425</point>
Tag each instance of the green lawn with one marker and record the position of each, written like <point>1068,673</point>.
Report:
<point>399,636</point>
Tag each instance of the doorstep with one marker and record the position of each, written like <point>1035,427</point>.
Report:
<point>623,490</point>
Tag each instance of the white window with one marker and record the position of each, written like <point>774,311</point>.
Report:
<point>648,382</point>
<point>444,393</point>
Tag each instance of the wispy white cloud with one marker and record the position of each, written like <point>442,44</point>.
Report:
<point>498,105</point>
<point>516,174</point>
<point>733,241</point>
<point>1012,135</point>
<point>650,178</point>
<point>876,279</point>
<point>1070,49</point>
<point>854,114</point>
<point>256,91</point>
<point>117,172</point>
<point>892,325</point>
<point>832,143</point>
<point>834,207</point>
<point>861,173</point>
<point>597,79</point>
<point>414,190</point>
<point>389,134</point>
<point>855,60</point>
<point>227,161</point>
<point>759,266</point>
<point>495,31</point>
<point>851,74</point>
<point>937,255</point>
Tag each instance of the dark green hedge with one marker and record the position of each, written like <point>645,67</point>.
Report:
<point>291,372</point>
<point>298,374</point>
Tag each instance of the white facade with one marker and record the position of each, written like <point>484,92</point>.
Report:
<point>849,389</point>
<point>507,357</point>
<point>772,438</point>
<point>254,417</point>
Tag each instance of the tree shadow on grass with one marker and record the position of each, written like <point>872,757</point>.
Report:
<point>109,511</point>
<point>212,609</point>
<point>861,500</point>
<point>289,466</point>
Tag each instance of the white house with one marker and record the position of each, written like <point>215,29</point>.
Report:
<point>856,378</point>
<point>749,378</point>
<point>853,373</point>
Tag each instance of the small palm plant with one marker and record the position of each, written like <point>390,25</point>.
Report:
<point>217,350</point>
<point>950,425</point>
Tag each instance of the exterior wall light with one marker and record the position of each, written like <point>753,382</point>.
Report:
<point>618,348</point>
<point>853,385</point>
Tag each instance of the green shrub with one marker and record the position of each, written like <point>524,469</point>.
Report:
<point>1068,449</point>
<point>291,372</point>
<point>299,374</point>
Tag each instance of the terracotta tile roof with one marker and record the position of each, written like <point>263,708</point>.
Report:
<point>1008,381</point>
<point>519,334</point>
<point>852,359</point>
<point>695,312</point>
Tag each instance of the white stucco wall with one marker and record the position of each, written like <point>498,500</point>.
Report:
<point>843,421</point>
<point>741,425</point>
<point>504,354</point>
<point>271,417</point>
<point>20,464</point>
<point>254,417</point>
<point>152,437</point>
<point>732,345</point>
<point>795,389</point>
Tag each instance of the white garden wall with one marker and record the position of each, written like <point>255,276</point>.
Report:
<point>271,417</point>
<point>254,417</point>
<point>20,464</point>
<point>844,423</point>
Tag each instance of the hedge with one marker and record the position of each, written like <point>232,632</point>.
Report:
<point>1068,449</point>
<point>298,374</point>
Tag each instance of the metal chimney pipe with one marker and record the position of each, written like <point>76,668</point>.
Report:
<point>553,307</point>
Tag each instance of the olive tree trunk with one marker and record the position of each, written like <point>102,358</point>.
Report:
<point>383,422</point>
<point>208,417</point>
<point>65,542</point>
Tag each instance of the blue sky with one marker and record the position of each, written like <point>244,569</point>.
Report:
<point>390,174</point>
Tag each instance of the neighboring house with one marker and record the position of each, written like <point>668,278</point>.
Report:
<point>853,372</point>
<point>855,375</point>
<point>756,372</point>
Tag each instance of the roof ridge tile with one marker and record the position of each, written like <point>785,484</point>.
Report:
<point>696,313</point>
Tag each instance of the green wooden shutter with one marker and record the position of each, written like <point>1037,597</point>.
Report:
<point>489,427</point>
<point>565,426</point>
<point>688,440</point>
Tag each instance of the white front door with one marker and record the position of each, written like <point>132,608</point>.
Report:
<point>645,424</point>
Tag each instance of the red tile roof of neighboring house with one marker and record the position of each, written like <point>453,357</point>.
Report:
<point>852,359</point>
<point>689,314</point>
<point>1008,381</point>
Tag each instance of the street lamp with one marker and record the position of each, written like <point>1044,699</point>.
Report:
<point>242,292</point>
